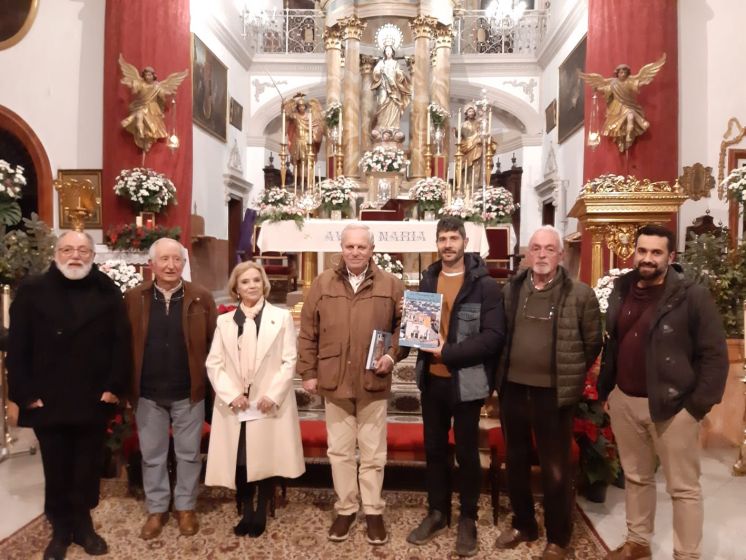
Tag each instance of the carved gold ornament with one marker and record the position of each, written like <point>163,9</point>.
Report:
<point>621,239</point>
<point>697,181</point>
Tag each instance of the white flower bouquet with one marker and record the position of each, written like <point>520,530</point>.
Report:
<point>735,184</point>
<point>332,114</point>
<point>337,194</point>
<point>125,275</point>
<point>147,189</point>
<point>438,114</point>
<point>497,207</point>
<point>460,209</point>
<point>277,204</point>
<point>12,182</point>
<point>429,193</point>
<point>387,263</point>
<point>382,159</point>
<point>604,286</point>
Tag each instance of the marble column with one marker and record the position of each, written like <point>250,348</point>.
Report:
<point>333,46</point>
<point>368,100</point>
<point>422,29</point>
<point>441,82</point>
<point>352,30</point>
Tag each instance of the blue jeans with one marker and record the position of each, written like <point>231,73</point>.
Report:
<point>153,422</point>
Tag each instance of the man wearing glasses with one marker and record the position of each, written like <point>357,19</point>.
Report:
<point>553,337</point>
<point>68,362</point>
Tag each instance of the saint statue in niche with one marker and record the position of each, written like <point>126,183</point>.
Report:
<point>625,119</point>
<point>393,90</point>
<point>305,127</point>
<point>146,121</point>
<point>472,143</point>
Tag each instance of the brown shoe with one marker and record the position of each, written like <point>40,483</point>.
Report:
<point>376,530</point>
<point>153,525</point>
<point>631,551</point>
<point>554,552</point>
<point>510,538</point>
<point>340,529</point>
<point>188,524</point>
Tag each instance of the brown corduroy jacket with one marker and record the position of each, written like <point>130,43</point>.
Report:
<point>336,328</point>
<point>198,322</point>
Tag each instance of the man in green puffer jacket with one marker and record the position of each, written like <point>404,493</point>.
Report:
<point>553,337</point>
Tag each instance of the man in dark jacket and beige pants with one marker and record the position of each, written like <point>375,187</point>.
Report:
<point>343,308</point>
<point>554,335</point>
<point>665,365</point>
<point>455,378</point>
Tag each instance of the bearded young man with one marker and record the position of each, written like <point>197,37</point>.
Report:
<point>68,363</point>
<point>665,365</point>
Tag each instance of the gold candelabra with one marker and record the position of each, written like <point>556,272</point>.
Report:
<point>339,159</point>
<point>428,159</point>
<point>283,163</point>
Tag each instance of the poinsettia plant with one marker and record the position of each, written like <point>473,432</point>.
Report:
<point>131,237</point>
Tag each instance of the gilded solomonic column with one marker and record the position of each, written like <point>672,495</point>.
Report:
<point>422,29</point>
<point>441,82</point>
<point>352,30</point>
<point>333,46</point>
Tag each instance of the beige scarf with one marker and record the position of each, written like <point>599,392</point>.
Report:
<point>247,343</point>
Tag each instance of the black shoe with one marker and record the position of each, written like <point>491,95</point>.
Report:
<point>510,538</point>
<point>466,538</point>
<point>433,525</point>
<point>92,543</point>
<point>57,547</point>
<point>259,522</point>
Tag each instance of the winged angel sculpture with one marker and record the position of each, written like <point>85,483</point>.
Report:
<point>625,119</point>
<point>146,110</point>
<point>303,133</point>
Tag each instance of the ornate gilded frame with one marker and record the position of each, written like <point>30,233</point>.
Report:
<point>21,33</point>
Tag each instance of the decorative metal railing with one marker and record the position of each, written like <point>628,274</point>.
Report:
<point>475,33</point>
<point>301,31</point>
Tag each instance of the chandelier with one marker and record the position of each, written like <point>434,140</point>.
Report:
<point>505,13</point>
<point>255,20</point>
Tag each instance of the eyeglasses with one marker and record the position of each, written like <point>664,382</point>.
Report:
<point>549,250</point>
<point>84,252</point>
<point>527,315</point>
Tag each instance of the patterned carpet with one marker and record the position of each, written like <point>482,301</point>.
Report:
<point>298,532</point>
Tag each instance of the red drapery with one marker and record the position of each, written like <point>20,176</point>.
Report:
<point>147,33</point>
<point>635,32</point>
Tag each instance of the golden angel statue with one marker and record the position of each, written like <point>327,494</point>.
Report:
<point>146,120</point>
<point>625,119</point>
<point>305,121</point>
<point>393,90</point>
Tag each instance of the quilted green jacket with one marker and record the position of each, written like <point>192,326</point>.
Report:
<point>577,335</point>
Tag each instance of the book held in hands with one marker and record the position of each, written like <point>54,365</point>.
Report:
<point>420,323</point>
<point>380,344</point>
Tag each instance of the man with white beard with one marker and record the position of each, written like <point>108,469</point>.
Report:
<point>68,362</point>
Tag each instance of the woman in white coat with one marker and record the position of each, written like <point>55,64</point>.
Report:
<point>251,366</point>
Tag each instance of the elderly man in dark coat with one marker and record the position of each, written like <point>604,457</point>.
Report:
<point>68,361</point>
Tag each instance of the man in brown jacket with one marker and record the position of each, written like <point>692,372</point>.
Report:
<point>172,322</point>
<point>343,308</point>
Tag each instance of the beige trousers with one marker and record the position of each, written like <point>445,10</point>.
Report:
<point>348,426</point>
<point>676,443</point>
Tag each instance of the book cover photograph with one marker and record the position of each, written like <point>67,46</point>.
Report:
<point>420,323</point>
<point>380,343</point>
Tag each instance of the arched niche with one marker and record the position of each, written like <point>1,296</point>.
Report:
<point>17,127</point>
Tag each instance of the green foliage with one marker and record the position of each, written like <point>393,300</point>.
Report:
<point>708,261</point>
<point>25,251</point>
<point>10,212</point>
<point>130,237</point>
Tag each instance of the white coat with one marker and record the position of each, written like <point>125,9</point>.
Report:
<point>273,444</point>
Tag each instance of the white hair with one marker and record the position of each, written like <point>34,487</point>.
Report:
<point>358,225</point>
<point>157,242</point>
<point>87,235</point>
<point>553,230</point>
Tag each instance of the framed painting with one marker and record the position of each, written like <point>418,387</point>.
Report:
<point>16,18</point>
<point>236,114</point>
<point>571,103</point>
<point>209,90</point>
<point>92,175</point>
<point>551,115</point>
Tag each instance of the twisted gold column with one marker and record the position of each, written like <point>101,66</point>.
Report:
<point>422,29</point>
<point>352,30</point>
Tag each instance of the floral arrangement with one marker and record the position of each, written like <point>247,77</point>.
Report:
<point>147,189</point>
<point>392,265</point>
<point>120,429</point>
<point>130,237</point>
<point>735,183</point>
<point>383,159</point>
<point>277,204</point>
<point>460,209</point>
<point>430,193</point>
<point>604,286</point>
<point>498,205</point>
<point>332,114</point>
<point>336,194</point>
<point>25,251</point>
<point>438,114</point>
<point>125,275</point>
<point>12,182</point>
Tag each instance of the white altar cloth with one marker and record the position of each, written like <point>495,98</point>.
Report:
<point>324,236</point>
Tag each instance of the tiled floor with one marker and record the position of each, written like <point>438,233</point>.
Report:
<point>22,496</point>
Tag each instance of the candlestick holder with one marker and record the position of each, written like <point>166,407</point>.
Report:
<point>283,163</point>
<point>428,159</point>
<point>339,160</point>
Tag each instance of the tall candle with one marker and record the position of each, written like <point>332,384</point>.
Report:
<point>428,129</point>
<point>283,127</point>
<point>458,128</point>
<point>6,307</point>
<point>489,122</point>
